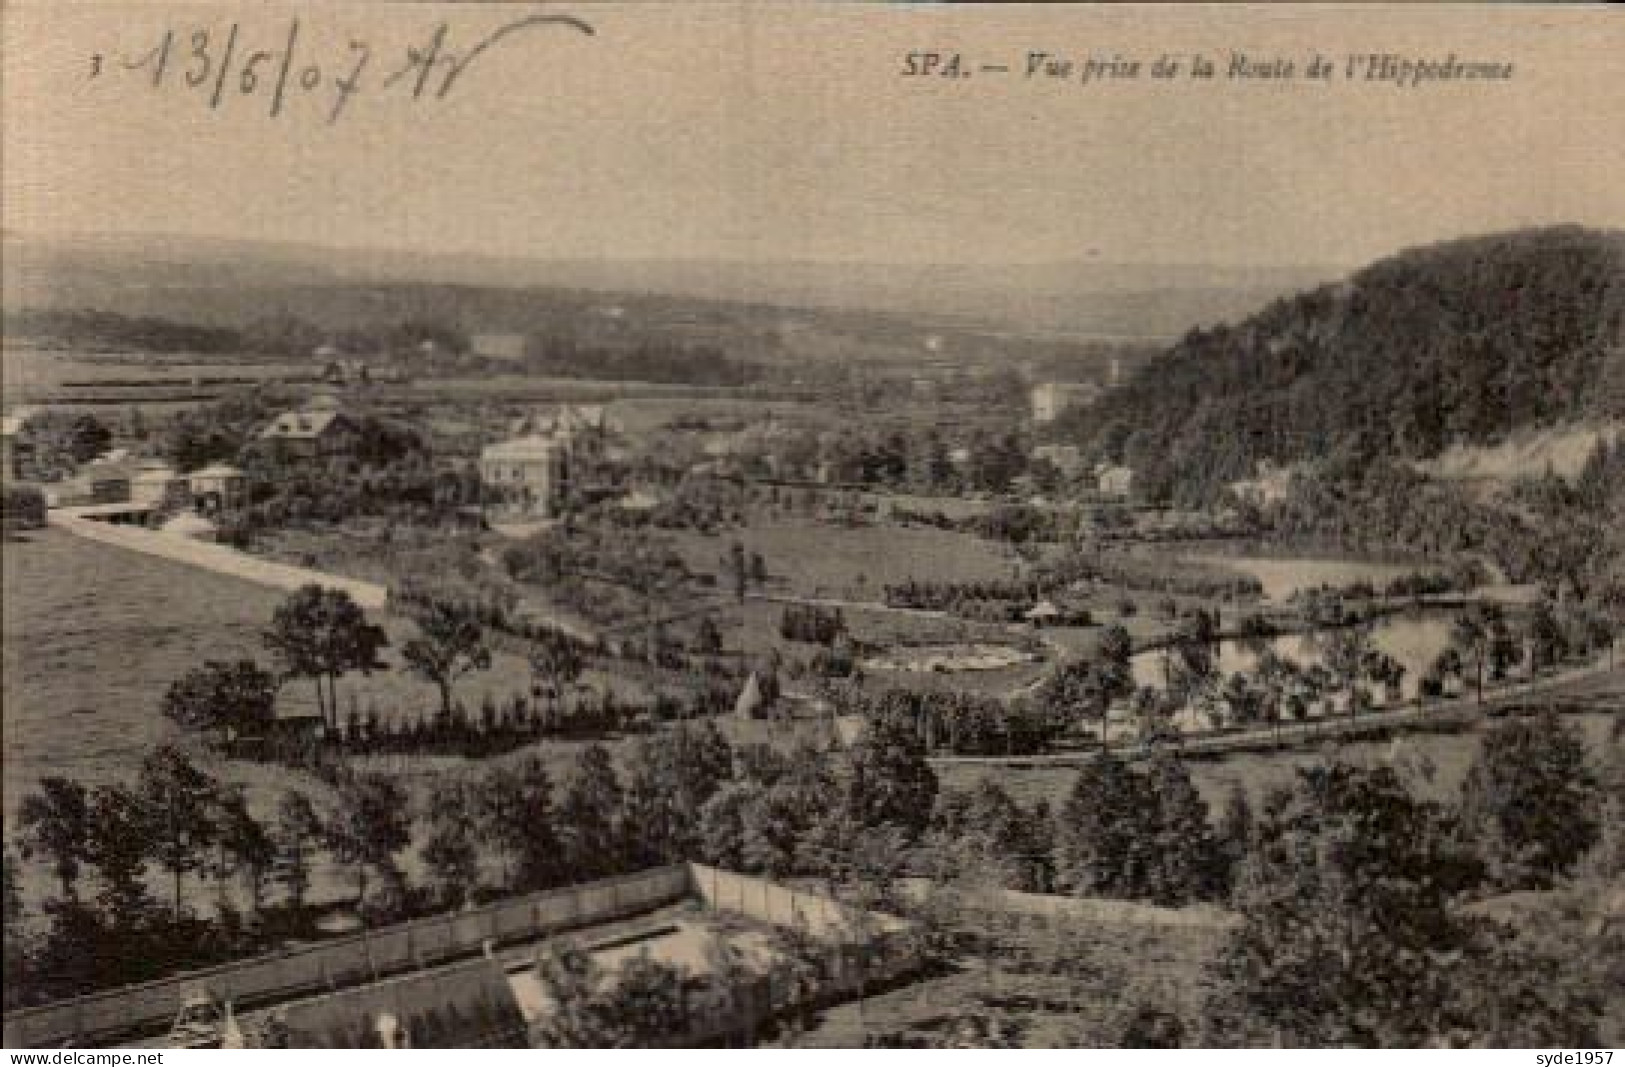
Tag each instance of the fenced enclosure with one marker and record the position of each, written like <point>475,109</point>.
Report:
<point>333,965</point>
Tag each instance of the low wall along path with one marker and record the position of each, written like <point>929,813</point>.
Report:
<point>218,558</point>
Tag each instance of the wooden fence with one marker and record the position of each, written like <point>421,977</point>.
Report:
<point>332,965</point>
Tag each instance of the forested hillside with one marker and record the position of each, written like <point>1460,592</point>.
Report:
<point>1462,341</point>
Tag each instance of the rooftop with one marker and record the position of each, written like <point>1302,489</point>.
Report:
<point>218,470</point>
<point>301,424</point>
<point>534,447</point>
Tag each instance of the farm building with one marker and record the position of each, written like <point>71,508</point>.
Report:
<point>101,481</point>
<point>582,427</point>
<point>1044,613</point>
<point>1113,481</point>
<point>314,433</point>
<point>1050,399</point>
<point>1068,459</point>
<point>156,484</point>
<point>341,370</point>
<point>217,486</point>
<point>503,346</point>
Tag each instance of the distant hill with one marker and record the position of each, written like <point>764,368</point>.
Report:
<point>1456,343</point>
<point>156,275</point>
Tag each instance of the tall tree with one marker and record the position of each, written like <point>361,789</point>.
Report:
<point>450,847</point>
<point>1116,646</point>
<point>1100,838</point>
<point>645,1006</point>
<point>322,634</point>
<point>722,824</point>
<point>1345,651</point>
<point>299,833</point>
<point>1531,801</point>
<point>590,817</point>
<point>1192,659</point>
<point>1485,643</point>
<point>1348,934</point>
<point>738,569</point>
<point>1385,670</point>
<point>369,823</point>
<point>235,697</point>
<point>1083,691</point>
<point>451,644</point>
<point>180,801</point>
<point>668,781</point>
<point>1185,861</point>
<point>55,823</point>
<point>1544,635</point>
<point>640,1006</point>
<point>120,841</point>
<point>1235,832</point>
<point>556,663</point>
<point>516,818</point>
<point>12,938</point>
<point>888,780</point>
<point>246,846</point>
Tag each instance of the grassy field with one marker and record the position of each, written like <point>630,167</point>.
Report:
<point>852,562</point>
<point>94,635</point>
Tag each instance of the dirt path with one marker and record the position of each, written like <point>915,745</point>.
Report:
<point>218,558</point>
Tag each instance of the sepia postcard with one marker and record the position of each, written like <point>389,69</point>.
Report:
<point>574,525</point>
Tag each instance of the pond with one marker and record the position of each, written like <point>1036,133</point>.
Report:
<point>1283,577</point>
<point>1414,639</point>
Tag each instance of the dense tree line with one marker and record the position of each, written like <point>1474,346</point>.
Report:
<point>1138,833</point>
<point>1350,889</point>
<point>1462,341</point>
<point>85,329</point>
<point>320,635</point>
<point>651,361</point>
<point>1352,893</point>
<point>1550,531</point>
<point>966,724</point>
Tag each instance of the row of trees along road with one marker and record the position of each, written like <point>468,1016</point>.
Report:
<point>1350,887</point>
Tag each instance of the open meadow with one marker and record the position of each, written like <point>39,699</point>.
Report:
<point>94,635</point>
<point>852,562</point>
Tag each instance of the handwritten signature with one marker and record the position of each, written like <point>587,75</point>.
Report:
<point>203,60</point>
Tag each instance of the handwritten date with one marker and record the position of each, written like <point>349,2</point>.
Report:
<point>222,62</point>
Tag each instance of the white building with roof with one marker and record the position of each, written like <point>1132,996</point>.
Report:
<point>1050,399</point>
<point>528,476</point>
<point>509,347</point>
<point>548,454</point>
<point>219,485</point>
<point>1114,481</point>
<point>156,484</point>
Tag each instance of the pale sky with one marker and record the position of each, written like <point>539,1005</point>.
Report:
<point>750,131</point>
